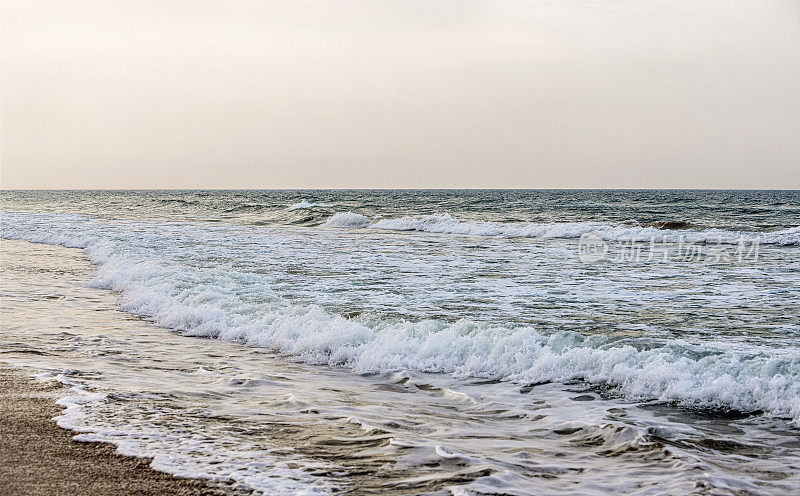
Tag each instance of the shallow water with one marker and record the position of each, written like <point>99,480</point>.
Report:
<point>465,354</point>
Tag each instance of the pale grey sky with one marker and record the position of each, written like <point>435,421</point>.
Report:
<point>373,93</point>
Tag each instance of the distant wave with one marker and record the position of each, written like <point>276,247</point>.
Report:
<point>299,214</point>
<point>672,225</point>
<point>246,207</point>
<point>663,231</point>
<point>304,204</point>
<point>180,201</point>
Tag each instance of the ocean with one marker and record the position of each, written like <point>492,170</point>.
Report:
<point>465,342</point>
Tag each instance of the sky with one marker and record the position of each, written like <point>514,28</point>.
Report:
<point>412,93</point>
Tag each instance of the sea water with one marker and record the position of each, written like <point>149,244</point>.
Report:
<point>420,342</point>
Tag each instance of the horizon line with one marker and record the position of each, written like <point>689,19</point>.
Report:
<point>382,188</point>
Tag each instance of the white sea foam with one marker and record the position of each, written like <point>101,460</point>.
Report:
<point>347,219</point>
<point>446,224</point>
<point>696,375</point>
<point>201,455</point>
<point>203,302</point>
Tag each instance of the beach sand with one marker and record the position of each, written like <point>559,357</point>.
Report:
<point>39,458</point>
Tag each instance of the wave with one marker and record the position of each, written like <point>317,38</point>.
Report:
<point>347,219</point>
<point>304,218</point>
<point>258,207</point>
<point>304,204</point>
<point>180,201</point>
<point>671,371</point>
<point>217,302</point>
<point>669,225</point>
<point>265,215</point>
<point>245,207</point>
<point>662,231</point>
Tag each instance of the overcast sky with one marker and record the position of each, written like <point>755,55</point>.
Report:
<point>430,93</point>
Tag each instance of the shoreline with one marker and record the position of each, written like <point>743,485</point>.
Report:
<point>38,457</point>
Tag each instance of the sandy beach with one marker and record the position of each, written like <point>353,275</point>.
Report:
<point>39,458</point>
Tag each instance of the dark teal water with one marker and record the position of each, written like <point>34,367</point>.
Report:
<point>733,210</point>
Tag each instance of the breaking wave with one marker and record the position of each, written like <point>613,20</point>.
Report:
<point>217,302</point>
<point>674,371</point>
<point>347,219</point>
<point>662,231</point>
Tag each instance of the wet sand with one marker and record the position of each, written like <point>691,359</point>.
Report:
<point>39,458</point>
